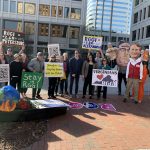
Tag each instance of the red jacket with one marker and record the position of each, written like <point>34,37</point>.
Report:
<point>134,71</point>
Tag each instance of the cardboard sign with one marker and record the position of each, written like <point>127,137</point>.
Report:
<point>4,72</point>
<point>75,105</point>
<point>90,105</point>
<point>92,42</point>
<point>54,69</point>
<point>12,38</point>
<point>53,49</point>
<point>32,80</point>
<point>49,103</point>
<point>109,107</point>
<point>107,78</point>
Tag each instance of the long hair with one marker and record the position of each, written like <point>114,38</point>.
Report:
<point>93,60</point>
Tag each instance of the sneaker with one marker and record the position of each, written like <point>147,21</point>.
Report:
<point>49,97</point>
<point>83,96</point>
<point>90,97</point>
<point>38,97</point>
<point>124,100</point>
<point>34,98</point>
<point>135,102</point>
<point>66,93</point>
<point>53,96</point>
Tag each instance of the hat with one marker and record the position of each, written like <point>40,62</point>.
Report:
<point>39,54</point>
<point>104,59</point>
<point>16,55</point>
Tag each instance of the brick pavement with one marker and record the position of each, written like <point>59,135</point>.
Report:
<point>126,129</point>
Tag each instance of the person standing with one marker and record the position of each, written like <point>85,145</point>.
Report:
<point>66,70</point>
<point>52,81</point>
<point>36,65</point>
<point>87,69</point>
<point>24,61</point>
<point>16,72</point>
<point>98,58</point>
<point>75,68</point>
<point>105,67</point>
<point>134,73</point>
<point>2,61</point>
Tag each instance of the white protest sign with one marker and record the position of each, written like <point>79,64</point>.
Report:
<point>92,42</point>
<point>107,78</point>
<point>4,72</point>
<point>53,49</point>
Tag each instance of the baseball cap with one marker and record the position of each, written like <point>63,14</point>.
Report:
<point>16,55</point>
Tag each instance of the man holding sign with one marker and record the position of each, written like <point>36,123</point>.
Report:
<point>37,65</point>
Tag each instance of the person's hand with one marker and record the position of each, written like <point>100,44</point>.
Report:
<point>73,75</point>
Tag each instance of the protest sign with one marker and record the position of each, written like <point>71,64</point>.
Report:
<point>4,72</point>
<point>106,106</point>
<point>90,105</point>
<point>107,78</point>
<point>12,38</point>
<point>92,42</point>
<point>54,69</point>
<point>53,49</point>
<point>31,80</point>
<point>75,105</point>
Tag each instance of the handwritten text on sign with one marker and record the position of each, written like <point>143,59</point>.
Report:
<point>31,80</point>
<point>107,78</point>
<point>4,73</point>
<point>54,70</point>
<point>91,42</point>
<point>12,38</point>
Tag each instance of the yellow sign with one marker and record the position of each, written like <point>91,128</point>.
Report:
<point>54,69</point>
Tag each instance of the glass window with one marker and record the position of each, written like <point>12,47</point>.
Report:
<point>43,29</point>
<point>138,34</point>
<point>114,39</point>
<point>136,2</point>
<point>20,8</point>
<point>133,35</point>
<point>29,28</point>
<point>140,15</point>
<point>0,5</point>
<point>30,8</point>
<point>13,6</point>
<point>149,11</point>
<point>148,32</point>
<point>13,25</point>
<point>136,17</point>
<point>44,10</point>
<point>120,38</point>
<point>66,12</point>
<point>59,30</point>
<point>53,11</point>
<point>142,32</point>
<point>5,5</point>
<point>74,32</point>
<point>75,13</point>
<point>144,13</point>
<point>60,11</point>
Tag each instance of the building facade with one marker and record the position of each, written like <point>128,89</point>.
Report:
<point>109,16</point>
<point>140,28</point>
<point>45,22</point>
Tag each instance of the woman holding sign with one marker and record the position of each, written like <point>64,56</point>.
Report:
<point>87,68</point>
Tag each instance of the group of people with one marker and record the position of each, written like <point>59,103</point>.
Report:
<point>128,59</point>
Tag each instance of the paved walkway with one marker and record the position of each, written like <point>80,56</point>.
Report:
<point>126,129</point>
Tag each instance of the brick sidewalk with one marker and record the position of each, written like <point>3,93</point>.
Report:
<point>127,129</point>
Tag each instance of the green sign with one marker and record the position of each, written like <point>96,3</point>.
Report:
<point>32,80</point>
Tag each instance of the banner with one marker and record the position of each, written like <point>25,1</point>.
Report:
<point>92,42</point>
<point>53,49</point>
<point>4,72</point>
<point>107,78</point>
<point>54,69</point>
<point>32,80</point>
<point>12,38</point>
